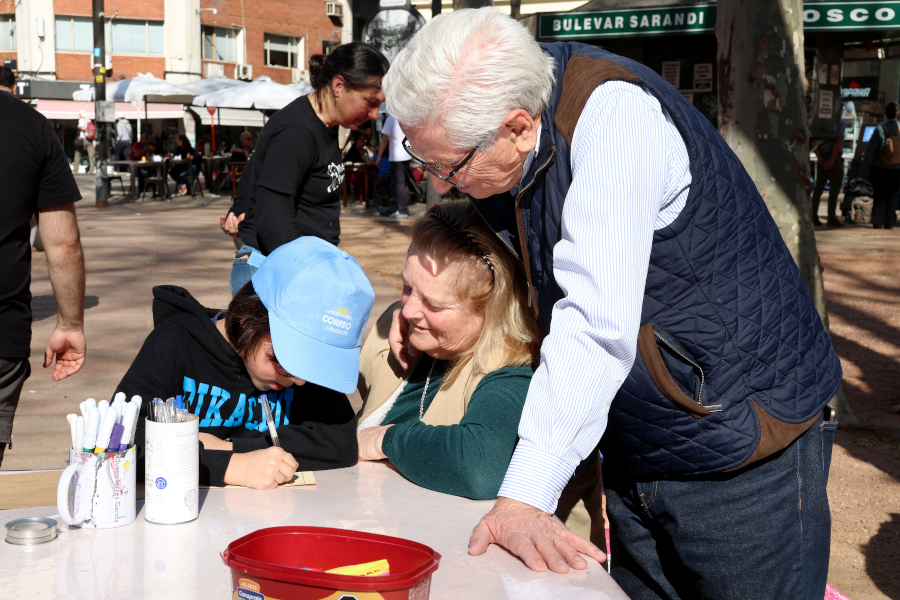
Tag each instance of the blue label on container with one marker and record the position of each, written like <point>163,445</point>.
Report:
<point>249,595</point>
<point>160,483</point>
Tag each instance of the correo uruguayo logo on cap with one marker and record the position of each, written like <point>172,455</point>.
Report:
<point>342,312</point>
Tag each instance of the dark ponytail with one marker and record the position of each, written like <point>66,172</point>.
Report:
<point>359,64</point>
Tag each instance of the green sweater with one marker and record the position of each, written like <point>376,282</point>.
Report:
<point>469,459</point>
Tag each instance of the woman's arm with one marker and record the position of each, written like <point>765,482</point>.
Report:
<point>469,459</point>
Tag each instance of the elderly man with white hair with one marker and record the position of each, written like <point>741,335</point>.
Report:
<point>677,325</point>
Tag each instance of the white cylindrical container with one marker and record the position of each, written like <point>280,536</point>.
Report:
<point>172,461</point>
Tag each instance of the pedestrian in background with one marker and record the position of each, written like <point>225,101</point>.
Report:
<point>36,181</point>
<point>298,171</point>
<point>830,170</point>
<point>123,138</point>
<point>399,157</point>
<point>84,143</point>
<point>885,175</point>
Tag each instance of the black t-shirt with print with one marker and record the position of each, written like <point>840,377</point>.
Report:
<point>35,174</point>
<point>297,180</point>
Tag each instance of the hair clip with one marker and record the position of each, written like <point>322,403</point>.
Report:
<point>466,237</point>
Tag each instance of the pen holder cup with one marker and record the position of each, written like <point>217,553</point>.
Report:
<point>172,461</point>
<point>98,491</point>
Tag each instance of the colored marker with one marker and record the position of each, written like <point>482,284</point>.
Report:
<point>89,405</point>
<point>106,427</point>
<point>103,407</point>
<point>91,426</point>
<point>73,425</point>
<point>79,433</point>
<point>271,423</point>
<point>128,420</point>
<point>114,438</point>
<point>83,409</point>
<point>136,400</point>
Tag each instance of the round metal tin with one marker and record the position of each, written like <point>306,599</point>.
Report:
<point>30,531</point>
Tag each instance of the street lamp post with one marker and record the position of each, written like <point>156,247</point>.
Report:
<point>102,134</point>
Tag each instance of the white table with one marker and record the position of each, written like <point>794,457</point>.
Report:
<point>143,560</point>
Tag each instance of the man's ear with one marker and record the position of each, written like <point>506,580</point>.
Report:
<point>522,128</point>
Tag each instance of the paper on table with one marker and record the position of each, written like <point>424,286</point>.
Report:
<point>301,478</point>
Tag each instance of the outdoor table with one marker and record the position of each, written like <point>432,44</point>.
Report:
<point>144,560</point>
<point>132,169</point>
<point>358,168</point>
<point>210,164</point>
<point>233,173</point>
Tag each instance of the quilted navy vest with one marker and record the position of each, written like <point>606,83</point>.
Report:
<point>733,362</point>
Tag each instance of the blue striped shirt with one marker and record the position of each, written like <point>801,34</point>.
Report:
<point>630,177</point>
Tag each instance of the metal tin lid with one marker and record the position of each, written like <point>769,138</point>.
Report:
<point>30,531</point>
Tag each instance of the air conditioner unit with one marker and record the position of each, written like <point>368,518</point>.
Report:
<point>214,70</point>
<point>243,72</point>
<point>298,75</point>
<point>334,9</point>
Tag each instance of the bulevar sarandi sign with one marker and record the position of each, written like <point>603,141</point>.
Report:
<point>701,18</point>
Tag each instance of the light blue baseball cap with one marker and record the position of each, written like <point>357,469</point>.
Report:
<point>319,301</point>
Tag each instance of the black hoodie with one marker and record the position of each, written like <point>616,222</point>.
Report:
<point>185,355</point>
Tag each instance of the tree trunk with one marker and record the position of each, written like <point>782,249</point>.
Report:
<point>763,117</point>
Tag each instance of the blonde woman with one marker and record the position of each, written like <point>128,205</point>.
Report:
<point>449,422</point>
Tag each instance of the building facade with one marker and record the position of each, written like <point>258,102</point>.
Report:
<point>179,40</point>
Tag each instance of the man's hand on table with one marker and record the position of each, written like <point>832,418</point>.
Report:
<point>398,338</point>
<point>370,440</point>
<point>229,224</point>
<point>536,537</point>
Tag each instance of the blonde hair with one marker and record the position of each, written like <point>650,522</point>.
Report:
<point>492,278</point>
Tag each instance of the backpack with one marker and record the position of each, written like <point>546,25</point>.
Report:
<point>90,132</point>
<point>890,152</point>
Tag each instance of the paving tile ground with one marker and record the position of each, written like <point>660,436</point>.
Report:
<point>130,247</point>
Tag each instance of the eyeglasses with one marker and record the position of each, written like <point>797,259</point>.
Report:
<point>432,169</point>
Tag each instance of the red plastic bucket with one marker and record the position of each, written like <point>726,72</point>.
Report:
<point>273,563</point>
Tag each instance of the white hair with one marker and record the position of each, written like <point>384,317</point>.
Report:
<point>464,72</point>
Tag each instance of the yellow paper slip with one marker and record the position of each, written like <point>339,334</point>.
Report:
<point>301,478</point>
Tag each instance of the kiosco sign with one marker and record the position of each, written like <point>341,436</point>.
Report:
<point>701,18</point>
<point>822,16</point>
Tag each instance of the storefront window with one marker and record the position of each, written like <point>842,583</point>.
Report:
<point>7,32</point>
<point>281,51</point>
<point>220,43</point>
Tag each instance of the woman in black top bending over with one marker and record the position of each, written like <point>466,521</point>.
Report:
<point>298,173</point>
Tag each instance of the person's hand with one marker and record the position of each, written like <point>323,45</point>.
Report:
<point>398,338</point>
<point>370,440</point>
<point>229,224</point>
<point>536,537</point>
<point>826,165</point>
<point>211,442</point>
<point>69,347</point>
<point>261,469</point>
<point>378,163</point>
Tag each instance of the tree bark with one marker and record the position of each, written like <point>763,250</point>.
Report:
<point>763,117</point>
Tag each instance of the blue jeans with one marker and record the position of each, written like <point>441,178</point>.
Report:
<point>246,262</point>
<point>762,532</point>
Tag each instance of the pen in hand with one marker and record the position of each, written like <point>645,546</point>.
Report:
<point>271,423</point>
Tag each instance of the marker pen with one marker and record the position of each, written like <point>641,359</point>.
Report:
<point>128,421</point>
<point>114,438</point>
<point>89,405</point>
<point>79,433</point>
<point>267,411</point>
<point>83,409</point>
<point>137,416</point>
<point>73,425</point>
<point>106,427</point>
<point>91,426</point>
<point>119,397</point>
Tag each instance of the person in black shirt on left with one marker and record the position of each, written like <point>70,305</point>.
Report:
<point>180,173</point>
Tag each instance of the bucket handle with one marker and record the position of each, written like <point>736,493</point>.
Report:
<point>224,556</point>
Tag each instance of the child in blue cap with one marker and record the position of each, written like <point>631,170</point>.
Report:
<point>293,333</point>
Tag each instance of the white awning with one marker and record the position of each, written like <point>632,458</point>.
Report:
<point>237,117</point>
<point>68,109</point>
